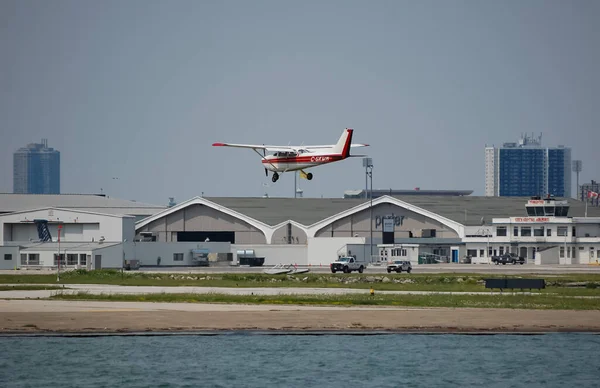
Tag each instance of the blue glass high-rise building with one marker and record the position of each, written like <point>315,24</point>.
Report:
<point>527,169</point>
<point>36,169</point>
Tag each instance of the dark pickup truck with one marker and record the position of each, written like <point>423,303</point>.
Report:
<point>508,258</point>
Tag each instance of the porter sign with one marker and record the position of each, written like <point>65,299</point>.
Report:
<point>389,222</point>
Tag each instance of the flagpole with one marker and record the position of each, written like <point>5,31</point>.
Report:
<point>587,196</point>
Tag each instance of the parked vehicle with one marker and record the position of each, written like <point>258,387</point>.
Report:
<point>131,264</point>
<point>347,264</point>
<point>399,266</point>
<point>508,258</point>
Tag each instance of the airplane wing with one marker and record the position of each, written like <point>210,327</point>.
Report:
<point>270,148</point>
<point>333,145</point>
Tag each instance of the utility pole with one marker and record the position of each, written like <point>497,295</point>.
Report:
<point>371,207</point>
<point>487,233</point>
<point>58,259</point>
<point>368,164</point>
<point>577,166</point>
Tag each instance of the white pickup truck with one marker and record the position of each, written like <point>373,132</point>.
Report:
<point>347,265</point>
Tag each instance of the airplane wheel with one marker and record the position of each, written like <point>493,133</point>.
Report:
<point>309,176</point>
<point>275,177</point>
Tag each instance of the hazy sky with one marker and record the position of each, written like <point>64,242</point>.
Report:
<point>139,90</point>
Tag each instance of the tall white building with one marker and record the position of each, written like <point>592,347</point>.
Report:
<point>526,169</point>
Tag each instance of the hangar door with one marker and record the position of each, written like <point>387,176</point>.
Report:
<point>202,236</point>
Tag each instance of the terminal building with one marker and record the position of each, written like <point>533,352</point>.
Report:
<point>425,229</point>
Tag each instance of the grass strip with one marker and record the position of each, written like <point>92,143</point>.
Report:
<point>568,284</point>
<point>522,301</point>
<point>29,288</point>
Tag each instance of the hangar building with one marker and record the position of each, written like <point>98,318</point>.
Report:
<point>97,203</point>
<point>305,231</point>
<point>53,237</point>
<point>32,237</point>
<point>439,228</point>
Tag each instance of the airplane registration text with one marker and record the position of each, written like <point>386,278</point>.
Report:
<point>320,158</point>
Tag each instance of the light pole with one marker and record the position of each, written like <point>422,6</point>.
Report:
<point>565,255</point>
<point>58,259</point>
<point>576,167</point>
<point>487,233</point>
<point>368,164</point>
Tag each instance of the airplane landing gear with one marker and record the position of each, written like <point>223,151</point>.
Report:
<point>275,177</point>
<point>305,175</point>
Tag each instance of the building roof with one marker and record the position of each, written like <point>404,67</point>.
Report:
<point>470,210</point>
<point>75,211</point>
<point>273,211</point>
<point>96,203</point>
<point>402,192</point>
<point>466,210</point>
<point>65,247</point>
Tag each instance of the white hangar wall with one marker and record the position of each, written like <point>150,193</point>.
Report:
<point>275,253</point>
<point>77,226</point>
<point>297,234</point>
<point>198,217</point>
<point>148,253</point>
<point>405,221</point>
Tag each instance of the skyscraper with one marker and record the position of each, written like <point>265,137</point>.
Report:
<point>36,169</point>
<point>526,169</point>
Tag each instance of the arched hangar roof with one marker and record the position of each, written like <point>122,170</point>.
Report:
<point>308,214</point>
<point>312,214</point>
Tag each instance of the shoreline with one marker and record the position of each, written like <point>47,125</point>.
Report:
<point>320,332</point>
<point>127,318</point>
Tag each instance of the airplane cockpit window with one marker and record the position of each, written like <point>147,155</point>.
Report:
<point>285,154</point>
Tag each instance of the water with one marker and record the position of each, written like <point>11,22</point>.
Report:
<point>256,360</point>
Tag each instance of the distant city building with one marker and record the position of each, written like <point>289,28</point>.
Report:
<point>417,191</point>
<point>36,169</point>
<point>525,169</point>
<point>592,187</point>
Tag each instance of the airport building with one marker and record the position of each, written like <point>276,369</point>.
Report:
<point>53,237</point>
<point>50,237</point>
<point>431,229</point>
<point>95,203</point>
<point>304,231</point>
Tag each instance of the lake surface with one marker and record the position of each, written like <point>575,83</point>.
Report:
<point>261,360</point>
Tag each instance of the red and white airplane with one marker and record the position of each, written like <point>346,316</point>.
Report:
<point>294,158</point>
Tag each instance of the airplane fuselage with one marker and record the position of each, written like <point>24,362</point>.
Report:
<point>295,162</point>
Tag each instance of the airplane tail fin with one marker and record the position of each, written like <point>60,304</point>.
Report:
<point>343,145</point>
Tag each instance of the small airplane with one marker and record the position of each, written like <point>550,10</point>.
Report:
<point>294,158</point>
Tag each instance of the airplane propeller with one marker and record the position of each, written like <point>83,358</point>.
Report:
<point>264,155</point>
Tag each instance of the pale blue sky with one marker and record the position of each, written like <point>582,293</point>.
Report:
<point>141,89</point>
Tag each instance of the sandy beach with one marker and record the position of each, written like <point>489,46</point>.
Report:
<point>43,316</point>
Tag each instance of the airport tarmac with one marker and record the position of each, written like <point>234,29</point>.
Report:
<point>98,289</point>
<point>433,269</point>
